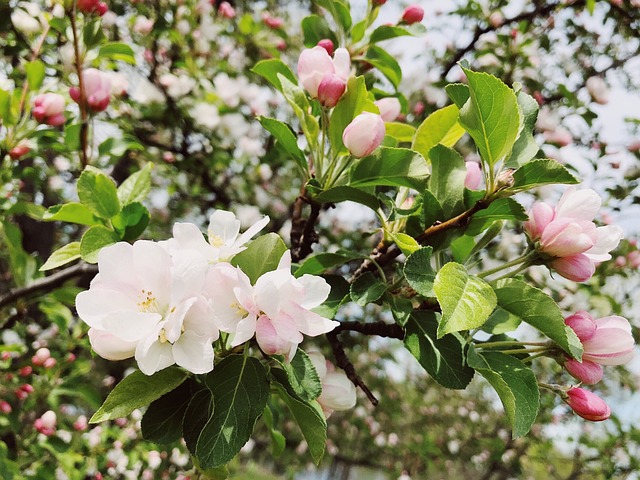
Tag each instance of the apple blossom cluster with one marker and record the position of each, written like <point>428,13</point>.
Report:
<point>567,236</point>
<point>167,302</point>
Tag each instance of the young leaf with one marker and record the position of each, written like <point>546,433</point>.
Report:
<point>500,209</point>
<point>131,222</point>
<point>367,289</point>
<point>261,256</point>
<point>402,132</point>
<point>320,262</point>
<point>196,417</point>
<point>526,146</point>
<point>419,272</point>
<point>442,127</point>
<point>536,308</point>
<point>343,193</point>
<point>466,301</point>
<point>501,321</point>
<point>339,10</point>
<point>35,74</point>
<point>395,167</point>
<point>269,70</point>
<point>308,415</point>
<point>240,390</point>
<point>62,256</point>
<point>93,240</point>
<point>540,172</point>
<point>285,137</point>
<point>515,384</point>
<point>386,64</point>
<point>117,51</point>
<point>70,212</point>
<point>447,179</point>
<point>442,358</point>
<point>162,422</point>
<point>136,187</point>
<point>296,97</point>
<point>458,93</point>
<point>302,376</point>
<point>351,104</point>
<point>491,116</point>
<point>138,390</point>
<point>316,28</point>
<point>98,193</point>
<point>386,32</point>
<point>406,243</point>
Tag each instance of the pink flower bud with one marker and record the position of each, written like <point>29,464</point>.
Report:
<point>97,90</point>
<point>19,151</point>
<point>27,388</point>
<point>92,6</point>
<point>143,25</point>
<point>121,422</point>
<point>379,2</point>
<point>21,394</point>
<point>80,424</point>
<point>330,90</point>
<point>272,22</point>
<point>413,14</point>
<point>560,137</point>
<point>41,355</point>
<point>577,268</point>
<point>26,371</point>
<point>46,424</point>
<point>327,45</point>
<point>540,216</point>
<point>473,179</point>
<point>71,357</point>
<point>269,340</point>
<point>49,109</point>
<point>338,392</point>
<point>226,10</point>
<point>5,407</point>
<point>588,405</point>
<point>364,134</point>
<point>314,63</point>
<point>389,108</point>
<point>587,372</point>
<point>50,363</point>
<point>583,324</point>
<point>611,344</point>
<point>418,108</point>
<point>5,356</point>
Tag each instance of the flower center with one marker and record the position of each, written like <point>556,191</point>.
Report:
<point>216,241</point>
<point>241,311</point>
<point>148,301</point>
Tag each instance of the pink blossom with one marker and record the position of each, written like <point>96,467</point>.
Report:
<point>364,134</point>
<point>41,355</point>
<point>598,89</point>
<point>327,45</point>
<point>473,179</point>
<point>97,90</point>
<point>49,109</point>
<point>80,424</point>
<point>314,63</point>
<point>19,151</point>
<point>46,424</point>
<point>5,407</point>
<point>588,405</point>
<point>568,235</point>
<point>271,21</point>
<point>226,10</point>
<point>92,6</point>
<point>413,14</point>
<point>330,90</point>
<point>143,25</point>
<point>338,392</point>
<point>389,108</point>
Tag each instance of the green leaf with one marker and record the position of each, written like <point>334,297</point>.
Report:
<point>162,422</point>
<point>285,137</point>
<point>466,301</point>
<point>35,74</point>
<point>442,127</point>
<point>339,291</point>
<point>308,415</point>
<point>386,32</point>
<point>385,63</point>
<point>261,256</point>
<point>138,390</point>
<point>402,132</point>
<point>72,136</point>
<point>320,262</point>
<point>136,187</point>
<point>339,10</point>
<point>302,376</point>
<point>343,193</point>
<point>500,209</point>
<point>526,146</point>
<point>132,221</point>
<point>278,441</point>
<point>118,147</point>
<point>491,116</point>
<point>62,256</point>
<point>406,243</point>
<point>316,28</point>
<point>401,308</point>
<point>117,51</point>
<point>367,289</point>
<point>240,390</point>
<point>92,33</point>
<point>447,179</point>
<point>536,308</point>
<point>93,240</point>
<point>196,417</point>
<point>296,97</point>
<point>70,212</point>
<point>350,105</point>
<point>501,321</point>
<point>5,108</point>
<point>394,167</point>
<point>458,93</point>
<point>269,70</point>
<point>515,384</point>
<point>98,193</point>
<point>442,358</point>
<point>431,209</point>
<point>419,272</point>
<point>540,172</point>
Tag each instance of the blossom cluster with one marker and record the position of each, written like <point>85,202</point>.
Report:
<point>167,302</point>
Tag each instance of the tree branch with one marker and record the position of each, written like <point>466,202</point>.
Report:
<point>303,233</point>
<point>381,329</point>
<point>48,283</point>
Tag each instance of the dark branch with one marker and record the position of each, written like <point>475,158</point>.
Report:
<point>303,233</point>
<point>381,329</point>
<point>344,363</point>
<point>49,283</point>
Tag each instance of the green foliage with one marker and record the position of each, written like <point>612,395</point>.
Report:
<point>367,289</point>
<point>285,137</point>
<point>261,256</point>
<point>350,105</point>
<point>321,262</point>
<point>447,179</point>
<point>525,147</point>
<point>385,63</point>
<point>271,69</point>
<point>162,422</point>
<point>98,193</point>
<point>66,254</point>
<point>500,209</point>
<point>35,74</point>
<point>316,28</point>
<point>117,51</point>
<point>540,172</point>
<point>302,376</point>
<point>419,272</point>
<point>132,221</point>
<point>136,187</point>
<point>388,166</point>
<point>94,240</point>
<point>72,212</point>
<point>441,127</point>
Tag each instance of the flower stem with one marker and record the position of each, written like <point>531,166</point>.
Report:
<point>509,343</point>
<point>516,261</point>
<point>84,126</point>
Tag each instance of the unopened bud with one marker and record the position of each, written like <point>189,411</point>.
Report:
<point>588,405</point>
<point>413,14</point>
<point>364,134</point>
<point>505,179</point>
<point>327,45</point>
<point>330,90</point>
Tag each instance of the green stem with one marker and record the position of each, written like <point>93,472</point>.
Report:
<point>516,351</point>
<point>533,357</point>
<point>516,261</point>
<point>521,268</point>
<point>509,343</point>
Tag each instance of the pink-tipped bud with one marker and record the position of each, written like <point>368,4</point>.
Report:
<point>364,134</point>
<point>21,394</point>
<point>71,357</point>
<point>5,407</point>
<point>26,371</point>
<point>226,10</point>
<point>413,14</point>
<point>330,90</point>
<point>389,108</point>
<point>588,405</point>
<point>379,2</point>
<point>540,215</point>
<point>50,363</point>
<point>268,339</point>
<point>577,268</point>
<point>80,424</point>
<point>272,22</point>
<point>46,424</point>
<point>42,354</point>
<point>92,6</point>
<point>473,179</point>
<point>48,108</point>
<point>19,151</point>
<point>27,388</point>
<point>327,45</point>
<point>586,371</point>
<point>583,324</point>
<point>97,90</point>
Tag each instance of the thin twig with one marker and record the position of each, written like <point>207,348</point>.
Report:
<point>48,283</point>
<point>381,329</point>
<point>84,126</point>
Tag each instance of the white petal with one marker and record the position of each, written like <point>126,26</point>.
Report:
<point>114,263</point>
<point>608,238</point>
<point>252,231</point>
<point>224,225</point>
<point>152,264</point>
<point>342,63</point>
<point>614,321</point>
<point>153,356</point>
<point>194,352</point>
<point>131,326</point>
<point>175,318</point>
<point>245,330</point>
<point>316,291</point>
<point>94,304</point>
<point>286,327</point>
<point>579,204</point>
<point>109,346</point>
<point>285,261</point>
<point>199,320</point>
